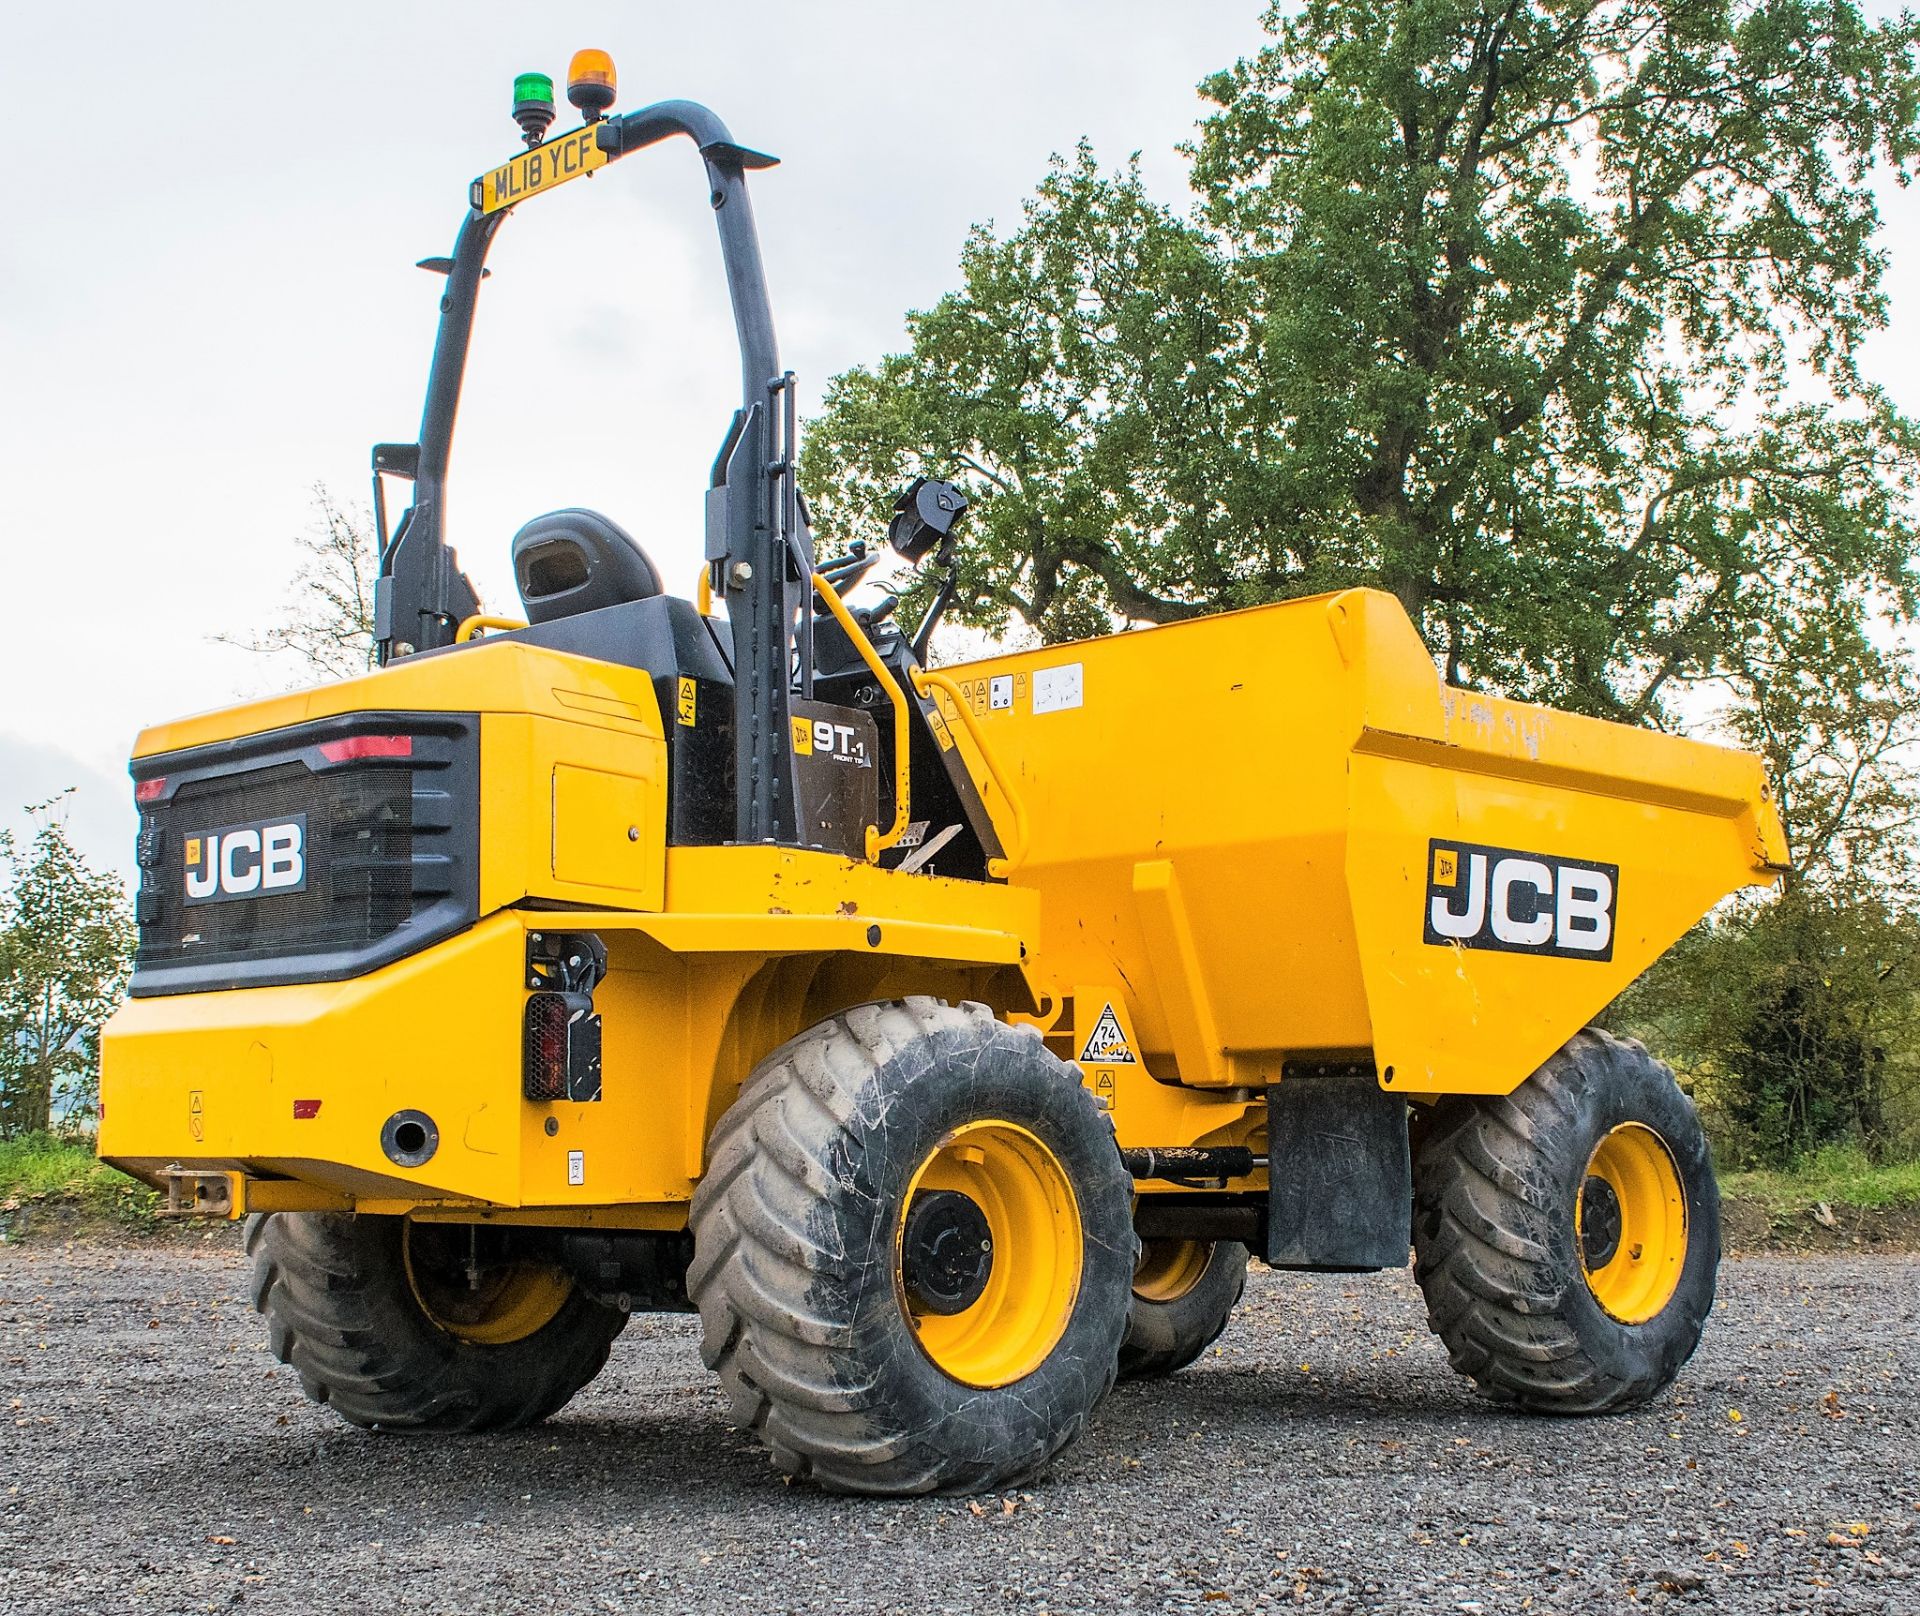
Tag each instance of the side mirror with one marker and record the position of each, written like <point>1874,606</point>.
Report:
<point>925,516</point>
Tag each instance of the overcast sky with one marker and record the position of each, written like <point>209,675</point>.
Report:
<point>207,299</point>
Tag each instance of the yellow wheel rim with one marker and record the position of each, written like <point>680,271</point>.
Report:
<point>1630,1224</point>
<point>1033,1221</point>
<point>511,1301</point>
<point>1168,1269</point>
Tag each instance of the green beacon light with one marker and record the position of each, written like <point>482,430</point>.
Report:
<point>533,105</point>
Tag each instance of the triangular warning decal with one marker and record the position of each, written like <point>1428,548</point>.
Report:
<point>1107,1044</point>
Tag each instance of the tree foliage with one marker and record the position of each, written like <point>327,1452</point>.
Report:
<point>1546,316</point>
<point>1798,1022</point>
<point>328,627</point>
<point>1567,301</point>
<point>1083,385</point>
<point>66,942</point>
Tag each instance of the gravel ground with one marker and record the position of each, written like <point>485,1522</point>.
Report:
<point>1322,1457</point>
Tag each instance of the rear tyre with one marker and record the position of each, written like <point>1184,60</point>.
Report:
<point>1184,1291</point>
<point>1567,1235</point>
<point>380,1318</point>
<point>912,1252</point>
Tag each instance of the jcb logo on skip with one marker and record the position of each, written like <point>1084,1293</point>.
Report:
<point>247,861</point>
<point>1520,903</point>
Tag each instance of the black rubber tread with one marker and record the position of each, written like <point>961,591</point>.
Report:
<point>1163,1337</point>
<point>793,1271</point>
<point>1495,1249</point>
<point>340,1312</point>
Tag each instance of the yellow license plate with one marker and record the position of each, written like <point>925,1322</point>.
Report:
<point>541,169</point>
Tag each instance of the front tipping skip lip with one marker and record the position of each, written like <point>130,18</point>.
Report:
<point>948,1039</point>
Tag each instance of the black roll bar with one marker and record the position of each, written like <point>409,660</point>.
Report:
<point>759,551</point>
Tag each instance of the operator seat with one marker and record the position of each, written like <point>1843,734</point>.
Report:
<point>573,561</point>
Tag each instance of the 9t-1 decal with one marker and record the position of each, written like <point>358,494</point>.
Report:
<point>816,737</point>
<point>261,858</point>
<point>1519,903</point>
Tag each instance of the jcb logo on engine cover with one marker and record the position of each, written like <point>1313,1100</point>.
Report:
<point>1519,903</point>
<point>261,858</point>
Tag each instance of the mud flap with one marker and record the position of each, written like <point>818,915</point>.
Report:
<point>1340,1196</point>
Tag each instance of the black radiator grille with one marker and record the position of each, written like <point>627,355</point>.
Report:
<point>387,815</point>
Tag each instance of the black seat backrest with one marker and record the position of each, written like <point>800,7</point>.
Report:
<point>577,561</point>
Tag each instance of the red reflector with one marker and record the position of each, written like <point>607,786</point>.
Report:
<point>150,790</point>
<point>367,746</point>
<point>304,1109</point>
<point>544,1076</point>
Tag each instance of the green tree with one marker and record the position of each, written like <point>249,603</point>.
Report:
<point>1798,1022</point>
<point>1838,734</point>
<point>66,942</point>
<point>1566,302</point>
<point>1799,1017</point>
<point>328,626</point>
<point>1546,316</point>
<point>1085,385</point>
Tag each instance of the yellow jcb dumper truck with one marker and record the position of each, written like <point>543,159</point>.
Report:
<point>946,1039</point>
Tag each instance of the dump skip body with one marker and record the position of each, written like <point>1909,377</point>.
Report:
<point>1285,839</point>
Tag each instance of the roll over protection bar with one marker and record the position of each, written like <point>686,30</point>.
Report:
<point>759,549</point>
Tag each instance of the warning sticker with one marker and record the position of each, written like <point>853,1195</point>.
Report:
<point>1107,1044</point>
<point>1057,689</point>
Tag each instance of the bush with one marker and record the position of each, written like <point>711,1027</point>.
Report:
<point>66,941</point>
<point>1794,1023</point>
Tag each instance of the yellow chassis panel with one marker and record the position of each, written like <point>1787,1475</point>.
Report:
<point>758,942</point>
<point>1230,822</point>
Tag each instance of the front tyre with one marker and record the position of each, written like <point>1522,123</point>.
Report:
<point>1567,1235</point>
<point>912,1251</point>
<point>400,1326</point>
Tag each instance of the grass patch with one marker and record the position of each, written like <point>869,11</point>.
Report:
<point>1837,1176</point>
<point>39,1171</point>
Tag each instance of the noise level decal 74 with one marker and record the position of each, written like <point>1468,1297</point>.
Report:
<point>1107,1044</point>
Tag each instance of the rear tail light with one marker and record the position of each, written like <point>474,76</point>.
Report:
<point>357,748</point>
<point>150,790</point>
<point>562,1048</point>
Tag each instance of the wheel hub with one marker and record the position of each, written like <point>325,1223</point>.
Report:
<point>1631,1220</point>
<point>946,1255</point>
<point>1599,1222</point>
<point>988,1252</point>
